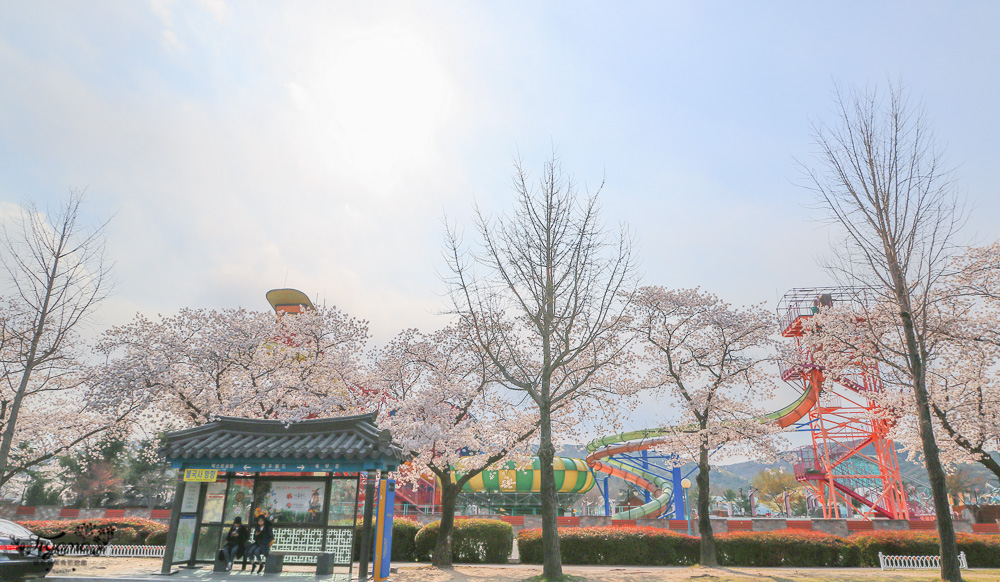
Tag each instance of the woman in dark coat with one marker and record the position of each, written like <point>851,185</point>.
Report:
<point>263,536</point>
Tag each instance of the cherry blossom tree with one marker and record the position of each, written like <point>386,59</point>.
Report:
<point>449,413</point>
<point>541,298</point>
<point>965,386</point>
<point>964,396</point>
<point>711,357</point>
<point>57,276</point>
<point>201,364</point>
<point>70,412</point>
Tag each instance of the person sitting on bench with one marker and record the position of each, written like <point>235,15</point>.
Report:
<point>236,543</point>
<point>263,535</point>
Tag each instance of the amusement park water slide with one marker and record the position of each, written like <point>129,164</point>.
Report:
<point>601,450</point>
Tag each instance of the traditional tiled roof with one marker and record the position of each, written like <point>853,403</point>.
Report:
<point>347,437</point>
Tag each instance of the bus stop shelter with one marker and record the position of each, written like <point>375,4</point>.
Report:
<point>304,476</point>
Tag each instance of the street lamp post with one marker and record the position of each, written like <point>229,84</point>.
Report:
<point>686,484</point>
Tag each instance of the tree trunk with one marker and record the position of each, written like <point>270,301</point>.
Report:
<point>449,497</point>
<point>552,559</point>
<point>939,489</point>
<point>932,460</point>
<point>704,510</point>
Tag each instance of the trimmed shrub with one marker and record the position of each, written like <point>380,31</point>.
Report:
<point>614,545</point>
<point>783,548</point>
<point>649,546</point>
<point>982,551</point>
<point>473,541</point>
<point>157,538</point>
<point>141,529</point>
<point>77,531</point>
<point>125,536</point>
<point>403,533</point>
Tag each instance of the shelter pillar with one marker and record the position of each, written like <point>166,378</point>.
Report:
<point>366,526</point>
<point>175,518</point>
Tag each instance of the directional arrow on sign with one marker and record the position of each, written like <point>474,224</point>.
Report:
<point>246,467</point>
<point>301,467</point>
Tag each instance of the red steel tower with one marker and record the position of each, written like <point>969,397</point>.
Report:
<point>852,460</point>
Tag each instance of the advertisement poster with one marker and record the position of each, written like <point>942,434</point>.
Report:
<point>239,500</point>
<point>185,538</point>
<point>292,501</point>
<point>343,501</point>
<point>215,498</point>
<point>189,504</point>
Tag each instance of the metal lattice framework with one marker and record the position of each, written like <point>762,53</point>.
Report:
<point>852,457</point>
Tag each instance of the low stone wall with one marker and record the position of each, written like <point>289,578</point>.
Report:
<point>837,527</point>
<point>768,524</point>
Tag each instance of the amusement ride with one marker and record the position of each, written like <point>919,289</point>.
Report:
<point>850,463</point>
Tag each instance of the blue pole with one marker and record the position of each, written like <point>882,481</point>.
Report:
<point>675,476</point>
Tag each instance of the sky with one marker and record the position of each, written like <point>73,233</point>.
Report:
<point>241,147</point>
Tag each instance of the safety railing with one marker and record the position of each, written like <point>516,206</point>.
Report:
<point>916,562</point>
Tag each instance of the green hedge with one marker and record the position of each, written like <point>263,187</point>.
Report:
<point>648,546</point>
<point>473,541</point>
<point>783,548</point>
<point>127,530</point>
<point>403,532</point>
<point>613,546</point>
<point>982,551</point>
<point>157,538</point>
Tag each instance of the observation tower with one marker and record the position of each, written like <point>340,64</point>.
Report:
<point>852,460</point>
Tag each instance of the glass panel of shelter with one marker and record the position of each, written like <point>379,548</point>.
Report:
<point>302,509</point>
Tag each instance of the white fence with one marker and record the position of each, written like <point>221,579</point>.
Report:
<point>916,562</point>
<point>116,552</point>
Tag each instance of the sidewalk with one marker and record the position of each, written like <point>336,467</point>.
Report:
<point>517,572</point>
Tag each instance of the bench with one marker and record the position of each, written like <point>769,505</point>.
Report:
<point>274,563</point>
<point>220,565</point>
<point>324,564</point>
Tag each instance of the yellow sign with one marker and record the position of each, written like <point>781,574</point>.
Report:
<point>209,475</point>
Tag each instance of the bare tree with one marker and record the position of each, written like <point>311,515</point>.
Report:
<point>879,177</point>
<point>58,275</point>
<point>546,308</point>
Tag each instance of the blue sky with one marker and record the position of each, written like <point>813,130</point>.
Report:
<point>252,145</point>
